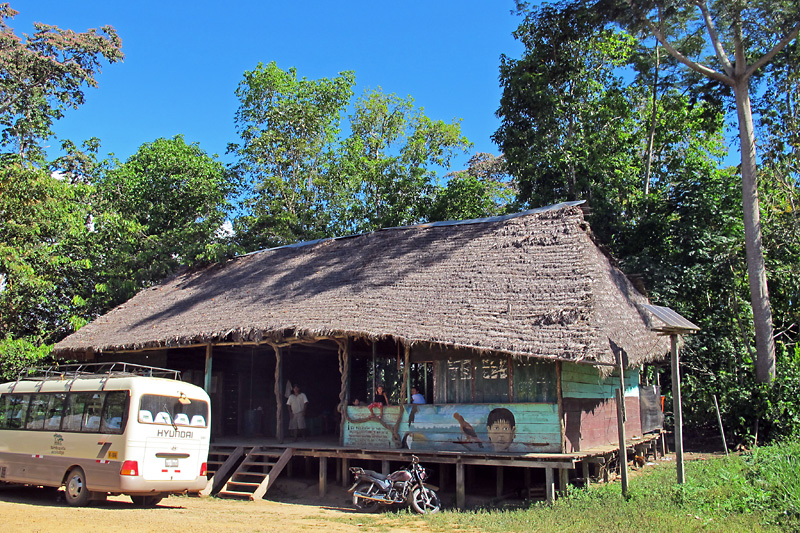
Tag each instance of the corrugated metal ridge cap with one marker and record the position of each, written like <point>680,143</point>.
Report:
<point>500,218</point>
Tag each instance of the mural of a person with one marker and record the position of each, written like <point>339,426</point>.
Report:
<point>502,428</point>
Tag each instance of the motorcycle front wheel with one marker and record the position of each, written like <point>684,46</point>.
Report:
<point>425,501</point>
<point>362,504</point>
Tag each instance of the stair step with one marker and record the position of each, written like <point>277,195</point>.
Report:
<point>235,494</point>
<point>243,483</point>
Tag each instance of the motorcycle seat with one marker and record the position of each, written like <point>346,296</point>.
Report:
<point>376,475</point>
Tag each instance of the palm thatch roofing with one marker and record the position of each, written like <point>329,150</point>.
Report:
<point>530,284</point>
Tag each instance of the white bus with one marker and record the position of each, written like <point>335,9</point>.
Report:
<point>105,428</point>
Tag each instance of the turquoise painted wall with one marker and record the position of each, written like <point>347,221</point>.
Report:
<point>584,381</point>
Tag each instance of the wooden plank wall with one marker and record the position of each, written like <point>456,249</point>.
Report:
<point>590,407</point>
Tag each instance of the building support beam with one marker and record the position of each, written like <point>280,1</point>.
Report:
<point>677,409</point>
<point>279,393</point>
<point>323,476</point>
<point>461,495</point>
<point>209,361</point>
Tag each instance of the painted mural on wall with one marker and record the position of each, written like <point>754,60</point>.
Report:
<point>497,428</point>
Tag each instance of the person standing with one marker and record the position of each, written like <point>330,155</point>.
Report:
<point>416,397</point>
<point>297,403</point>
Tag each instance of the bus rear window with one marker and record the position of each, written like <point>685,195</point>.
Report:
<point>158,409</point>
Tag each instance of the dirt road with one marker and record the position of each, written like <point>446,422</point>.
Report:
<point>299,509</point>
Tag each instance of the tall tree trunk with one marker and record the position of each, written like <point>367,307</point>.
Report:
<point>756,270</point>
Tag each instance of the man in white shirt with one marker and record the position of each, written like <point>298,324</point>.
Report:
<point>297,402</point>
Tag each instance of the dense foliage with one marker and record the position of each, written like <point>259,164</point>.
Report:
<point>595,108</point>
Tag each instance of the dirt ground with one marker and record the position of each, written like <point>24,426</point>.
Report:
<point>296,507</point>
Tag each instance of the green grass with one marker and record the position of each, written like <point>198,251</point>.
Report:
<point>759,491</point>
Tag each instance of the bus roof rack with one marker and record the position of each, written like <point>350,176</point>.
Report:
<point>93,370</point>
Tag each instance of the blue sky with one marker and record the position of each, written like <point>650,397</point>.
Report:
<point>184,60</point>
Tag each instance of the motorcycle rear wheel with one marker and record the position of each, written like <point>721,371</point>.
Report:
<point>425,501</point>
<point>363,505</point>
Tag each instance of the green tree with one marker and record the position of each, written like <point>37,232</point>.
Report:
<point>42,228</point>
<point>390,153</point>
<point>754,33</point>
<point>481,190</point>
<point>288,128</point>
<point>568,123</point>
<point>160,210</point>
<point>44,74</point>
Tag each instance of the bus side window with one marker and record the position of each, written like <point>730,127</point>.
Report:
<point>73,414</point>
<point>19,410</point>
<point>37,411</point>
<point>5,410</point>
<point>55,408</point>
<point>145,416</point>
<point>94,407</point>
<point>114,411</point>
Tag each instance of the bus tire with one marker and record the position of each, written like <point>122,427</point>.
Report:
<point>146,501</point>
<point>75,492</point>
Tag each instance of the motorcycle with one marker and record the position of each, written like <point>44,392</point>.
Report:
<point>372,489</point>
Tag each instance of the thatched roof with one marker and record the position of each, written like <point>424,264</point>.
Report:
<point>530,284</point>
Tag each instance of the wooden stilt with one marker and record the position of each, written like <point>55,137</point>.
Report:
<point>345,472</point>
<point>549,488</point>
<point>585,472</point>
<point>385,468</point>
<point>563,480</point>
<point>323,475</point>
<point>460,493</point>
<point>499,481</point>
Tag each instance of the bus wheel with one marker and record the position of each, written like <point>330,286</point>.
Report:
<point>75,491</point>
<point>146,501</point>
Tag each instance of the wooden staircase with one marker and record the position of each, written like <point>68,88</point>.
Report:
<point>256,470</point>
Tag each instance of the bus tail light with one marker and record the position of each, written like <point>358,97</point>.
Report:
<point>130,468</point>
<point>203,469</point>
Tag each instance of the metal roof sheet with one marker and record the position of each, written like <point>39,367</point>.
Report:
<point>673,322</point>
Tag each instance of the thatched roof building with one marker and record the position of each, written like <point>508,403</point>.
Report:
<point>529,284</point>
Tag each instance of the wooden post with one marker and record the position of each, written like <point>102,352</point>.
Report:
<point>676,407</point>
<point>443,469</point>
<point>385,468</point>
<point>345,472</point>
<point>549,489</point>
<point>344,393</point>
<point>279,398</point>
<point>460,494</point>
<point>623,454</point>
<point>560,401</point>
<point>323,475</point>
<point>209,361</point>
<point>563,480</point>
<point>585,472</point>
<point>721,429</point>
<point>527,478</point>
<point>405,389</point>
<point>499,481</point>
